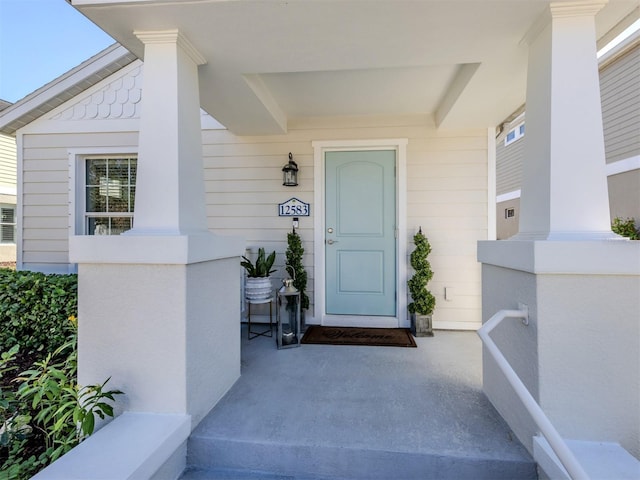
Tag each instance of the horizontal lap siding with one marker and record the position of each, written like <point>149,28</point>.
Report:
<point>446,195</point>
<point>509,166</point>
<point>7,161</point>
<point>45,195</point>
<point>620,89</point>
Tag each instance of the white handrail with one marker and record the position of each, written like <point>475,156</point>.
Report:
<point>559,446</point>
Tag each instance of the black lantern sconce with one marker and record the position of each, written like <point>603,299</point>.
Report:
<point>290,173</point>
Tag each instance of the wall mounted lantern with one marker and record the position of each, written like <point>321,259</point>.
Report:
<point>290,173</point>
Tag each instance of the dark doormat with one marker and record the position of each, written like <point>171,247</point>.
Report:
<point>381,337</point>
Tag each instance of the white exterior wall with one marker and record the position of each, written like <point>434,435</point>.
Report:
<point>578,356</point>
<point>446,195</point>
<point>7,188</point>
<point>44,232</point>
<point>446,187</point>
<point>7,164</point>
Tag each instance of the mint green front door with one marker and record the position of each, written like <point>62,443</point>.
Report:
<point>360,240</point>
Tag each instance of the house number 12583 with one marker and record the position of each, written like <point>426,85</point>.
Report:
<point>294,208</point>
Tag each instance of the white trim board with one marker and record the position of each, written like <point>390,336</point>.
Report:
<point>319,149</point>
<point>623,166</point>
<point>508,196</point>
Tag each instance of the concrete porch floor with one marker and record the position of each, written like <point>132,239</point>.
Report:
<point>358,412</point>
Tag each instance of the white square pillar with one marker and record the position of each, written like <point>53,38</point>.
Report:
<point>564,183</point>
<point>159,305</point>
<point>579,354</point>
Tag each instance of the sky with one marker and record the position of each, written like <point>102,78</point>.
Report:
<point>39,41</point>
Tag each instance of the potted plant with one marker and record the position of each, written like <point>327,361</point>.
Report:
<point>258,283</point>
<point>294,267</point>
<point>423,302</point>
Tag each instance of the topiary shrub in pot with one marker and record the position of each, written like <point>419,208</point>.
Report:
<point>423,302</point>
<point>294,267</point>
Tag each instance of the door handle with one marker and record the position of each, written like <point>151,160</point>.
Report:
<point>331,242</point>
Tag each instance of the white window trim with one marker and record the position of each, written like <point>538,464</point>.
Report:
<point>14,223</point>
<point>517,134</point>
<point>76,158</point>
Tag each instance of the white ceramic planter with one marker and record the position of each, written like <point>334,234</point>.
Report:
<point>258,289</point>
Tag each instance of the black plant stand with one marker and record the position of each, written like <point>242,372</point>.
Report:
<point>266,333</point>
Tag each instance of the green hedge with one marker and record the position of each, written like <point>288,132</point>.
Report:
<point>35,310</point>
<point>626,228</point>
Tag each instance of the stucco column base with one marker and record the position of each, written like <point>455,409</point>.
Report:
<point>580,354</point>
<point>165,331</point>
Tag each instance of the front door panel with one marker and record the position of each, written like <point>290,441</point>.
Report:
<point>360,242</point>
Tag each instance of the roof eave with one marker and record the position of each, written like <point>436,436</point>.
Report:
<point>63,88</point>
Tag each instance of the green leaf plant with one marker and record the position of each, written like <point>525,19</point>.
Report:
<point>423,300</point>
<point>50,410</point>
<point>262,267</point>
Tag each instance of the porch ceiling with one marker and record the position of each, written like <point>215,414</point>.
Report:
<point>460,62</point>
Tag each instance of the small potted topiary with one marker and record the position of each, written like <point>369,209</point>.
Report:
<point>423,302</point>
<point>295,268</point>
<point>258,283</point>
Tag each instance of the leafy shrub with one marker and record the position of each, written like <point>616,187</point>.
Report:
<point>49,414</point>
<point>43,411</point>
<point>34,309</point>
<point>294,254</point>
<point>423,300</point>
<point>626,228</point>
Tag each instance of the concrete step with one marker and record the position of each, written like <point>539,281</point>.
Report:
<point>335,413</point>
<point>245,460</point>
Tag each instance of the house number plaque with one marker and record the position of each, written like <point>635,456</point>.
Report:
<point>294,207</point>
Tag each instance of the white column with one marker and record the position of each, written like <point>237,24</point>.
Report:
<point>564,185</point>
<point>579,354</point>
<point>159,307</point>
<point>170,189</point>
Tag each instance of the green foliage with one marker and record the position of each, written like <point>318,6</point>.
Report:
<point>43,412</point>
<point>12,423</point>
<point>423,301</point>
<point>294,254</point>
<point>626,228</point>
<point>34,309</point>
<point>52,409</point>
<point>262,267</point>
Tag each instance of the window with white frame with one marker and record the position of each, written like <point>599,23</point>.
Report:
<point>514,134</point>
<point>7,224</point>
<point>109,194</point>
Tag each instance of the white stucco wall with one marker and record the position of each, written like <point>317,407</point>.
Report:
<point>589,356</point>
<point>504,288</point>
<point>131,330</point>
<point>580,354</point>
